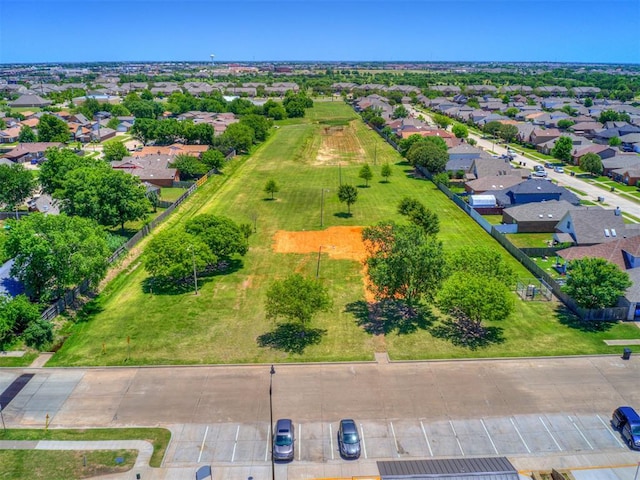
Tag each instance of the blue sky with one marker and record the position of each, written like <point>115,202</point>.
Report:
<point>351,30</point>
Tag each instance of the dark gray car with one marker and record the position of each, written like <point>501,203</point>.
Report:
<point>348,439</point>
<point>283,440</point>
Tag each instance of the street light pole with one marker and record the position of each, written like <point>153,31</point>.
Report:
<point>273,465</point>
<point>318,264</point>
<point>322,208</point>
<point>195,275</point>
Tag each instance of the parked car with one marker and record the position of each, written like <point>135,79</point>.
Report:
<point>283,440</point>
<point>538,168</point>
<point>627,421</point>
<point>348,439</point>
<point>540,173</point>
<point>559,170</point>
<point>548,165</point>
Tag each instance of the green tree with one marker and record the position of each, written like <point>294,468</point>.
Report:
<point>441,178</point>
<point>274,110</point>
<point>403,262</point>
<point>189,166</point>
<point>39,334</point>
<point>481,261</point>
<point>114,151</point>
<point>238,137</point>
<point>296,298</point>
<point>615,142</point>
<point>569,110</point>
<point>347,194</point>
<point>223,236</point>
<point>592,163</point>
<point>588,102</point>
<point>562,149</point>
<point>385,172</point>
<point>508,132</point>
<point>55,252</point>
<point>460,131</point>
<point>419,215</point>
<point>429,156</point>
<point>595,282</point>
<point>52,129</point>
<point>441,120</point>
<point>613,116</point>
<point>15,316</point>
<point>366,174</point>
<point>171,255</point>
<point>213,159</point>
<point>565,123</point>
<point>259,124</point>
<point>26,135</point>
<point>271,188</point>
<point>511,112</point>
<point>492,128</point>
<point>479,297</point>
<point>59,164</point>
<point>113,123</point>
<point>400,112</point>
<point>16,185</point>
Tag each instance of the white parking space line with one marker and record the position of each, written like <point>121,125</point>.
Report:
<point>395,440</point>
<point>518,432</point>
<point>266,448</point>
<point>364,445</point>
<point>235,444</point>
<point>331,440</point>
<point>615,437</point>
<point>204,438</point>
<point>580,432</point>
<point>550,434</point>
<point>299,441</point>
<point>426,439</point>
<point>456,435</point>
<point>489,436</point>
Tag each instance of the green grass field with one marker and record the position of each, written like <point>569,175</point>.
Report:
<point>223,323</point>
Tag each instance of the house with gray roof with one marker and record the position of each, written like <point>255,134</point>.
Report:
<point>591,226</point>
<point>537,217</point>
<point>30,101</point>
<point>533,190</point>
<point>494,182</point>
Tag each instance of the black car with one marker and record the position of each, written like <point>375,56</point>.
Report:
<point>348,439</point>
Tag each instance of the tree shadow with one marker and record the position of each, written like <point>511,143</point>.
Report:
<point>343,215</point>
<point>389,316</point>
<point>569,319</point>
<point>160,286</point>
<point>268,199</point>
<point>460,336</point>
<point>364,186</point>
<point>291,337</point>
<point>89,309</point>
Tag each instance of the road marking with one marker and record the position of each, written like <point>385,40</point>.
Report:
<point>206,430</point>
<point>615,437</point>
<point>331,440</point>
<point>266,449</point>
<point>550,434</point>
<point>580,432</point>
<point>490,439</point>
<point>424,432</point>
<point>457,439</point>
<point>299,441</point>
<point>235,444</point>
<point>518,432</point>
<point>395,440</point>
<point>364,445</point>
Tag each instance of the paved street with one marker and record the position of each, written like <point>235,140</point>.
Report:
<point>535,411</point>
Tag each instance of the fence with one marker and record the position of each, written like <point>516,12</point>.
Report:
<point>12,215</point>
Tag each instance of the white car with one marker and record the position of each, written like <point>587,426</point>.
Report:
<point>558,170</point>
<point>540,173</point>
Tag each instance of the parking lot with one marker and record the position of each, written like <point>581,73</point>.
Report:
<point>316,442</point>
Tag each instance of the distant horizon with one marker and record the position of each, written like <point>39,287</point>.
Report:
<point>110,31</point>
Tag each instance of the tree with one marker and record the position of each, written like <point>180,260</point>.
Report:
<point>271,188</point>
<point>366,174</point>
<point>38,334</point>
<point>481,261</point>
<point>441,120</point>
<point>114,151</point>
<point>460,131</point>
<point>110,197</point>
<point>511,112</point>
<point>113,123</point>
<point>613,116</point>
<point>588,102</point>
<point>562,149</point>
<point>274,110</point>
<point>52,129</point>
<point>189,166</point>
<point>492,128</point>
<point>615,142</point>
<point>213,159</point>
<point>595,282</point>
<point>441,178</point>
<point>16,314</point>
<point>347,194</point>
<point>479,297</point>
<point>472,141</point>
<point>419,215</point>
<point>221,234</point>
<point>429,156</point>
<point>400,112</point>
<point>55,252</point>
<point>508,132</point>
<point>297,298</point>
<point>16,185</point>
<point>403,262</point>
<point>565,123</point>
<point>238,137</point>
<point>569,110</point>
<point>59,164</point>
<point>592,163</point>
<point>259,124</point>
<point>385,172</point>
<point>171,256</point>
<point>26,135</point>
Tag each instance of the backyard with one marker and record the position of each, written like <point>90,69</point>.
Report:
<point>225,322</point>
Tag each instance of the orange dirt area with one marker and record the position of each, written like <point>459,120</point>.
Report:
<point>339,144</point>
<point>343,243</point>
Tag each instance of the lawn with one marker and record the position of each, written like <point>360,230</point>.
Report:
<point>224,323</point>
<point>171,194</point>
<point>530,240</point>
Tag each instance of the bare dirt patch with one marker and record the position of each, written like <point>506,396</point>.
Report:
<point>344,243</point>
<point>339,143</point>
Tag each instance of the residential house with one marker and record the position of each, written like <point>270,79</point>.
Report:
<point>630,142</point>
<point>30,101</point>
<point>586,129</point>
<point>153,169</point>
<point>591,226</point>
<point>461,157</point>
<point>484,166</point>
<point>537,217</point>
<point>173,150</point>
<point>445,89</point>
<point>9,135</point>
<point>602,151</point>
<point>44,203</point>
<point>618,162</point>
<point>26,152</point>
<point>539,135</point>
<point>494,182</point>
<point>533,190</point>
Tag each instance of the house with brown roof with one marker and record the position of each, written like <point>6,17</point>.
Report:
<point>9,135</point>
<point>603,151</point>
<point>493,182</point>
<point>25,152</point>
<point>173,150</point>
<point>540,135</point>
<point>154,169</point>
